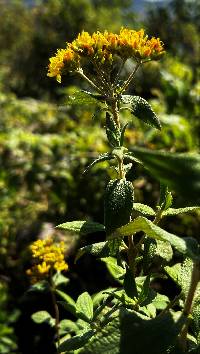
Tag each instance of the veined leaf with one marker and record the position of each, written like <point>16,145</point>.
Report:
<point>155,336</point>
<point>180,172</point>
<point>67,326</point>
<point>112,131</point>
<point>68,302</point>
<point>75,342</point>
<point>172,211</point>
<point>144,209</point>
<point>81,227</point>
<point>105,341</point>
<point>115,270</point>
<point>100,249</point>
<point>166,198</point>
<point>59,279</point>
<point>187,246</point>
<point>142,110</point>
<point>130,284</point>
<point>84,307</point>
<point>84,98</point>
<point>43,316</point>
<point>103,157</point>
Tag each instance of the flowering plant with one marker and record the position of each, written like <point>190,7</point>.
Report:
<point>133,318</point>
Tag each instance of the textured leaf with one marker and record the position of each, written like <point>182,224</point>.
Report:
<point>100,250</point>
<point>84,98</point>
<point>143,209</point>
<point>142,110</point>
<point>164,250</point>
<point>101,158</point>
<point>166,198</point>
<point>139,336</point>
<point>122,134</point>
<point>115,270</point>
<point>68,326</point>
<point>105,341</point>
<point>59,279</point>
<point>81,227</point>
<point>187,246</point>
<point>174,273</point>
<point>75,342</point>
<point>118,204</point>
<point>84,307</point>
<point>172,211</point>
<point>112,131</point>
<point>145,290</point>
<point>130,284</point>
<point>181,274</point>
<point>43,316</point>
<point>181,172</point>
<point>68,302</point>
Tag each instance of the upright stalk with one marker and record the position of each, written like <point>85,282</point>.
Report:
<point>56,310</point>
<point>189,302</point>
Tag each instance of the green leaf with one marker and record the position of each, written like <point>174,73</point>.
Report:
<point>130,284</point>
<point>68,302</point>
<point>84,98</point>
<point>141,109</point>
<point>103,157</point>
<point>180,172</point>
<point>182,274</point>
<point>43,316</point>
<point>75,342</point>
<point>100,250</point>
<point>112,131</point>
<point>153,336</point>
<point>59,279</point>
<point>166,198</point>
<point>84,307</point>
<point>68,326</point>
<point>160,301</point>
<point>40,286</point>
<point>105,341</point>
<point>145,290</point>
<point>82,227</point>
<point>122,134</point>
<point>118,204</point>
<point>174,273</point>
<point>164,250</point>
<point>187,246</point>
<point>144,209</point>
<point>115,270</point>
<point>172,211</point>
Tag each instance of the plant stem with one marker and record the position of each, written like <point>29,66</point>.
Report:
<point>56,310</point>
<point>128,81</point>
<point>81,73</point>
<point>188,303</point>
<point>132,253</point>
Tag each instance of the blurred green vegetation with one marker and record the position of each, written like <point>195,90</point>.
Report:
<point>45,145</point>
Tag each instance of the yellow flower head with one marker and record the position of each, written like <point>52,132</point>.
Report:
<point>101,48</point>
<point>64,59</point>
<point>48,256</point>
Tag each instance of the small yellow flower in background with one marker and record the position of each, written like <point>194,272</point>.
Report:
<point>48,256</point>
<point>101,48</point>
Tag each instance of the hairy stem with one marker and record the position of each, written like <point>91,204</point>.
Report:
<point>128,81</point>
<point>188,303</point>
<point>81,73</point>
<point>56,310</point>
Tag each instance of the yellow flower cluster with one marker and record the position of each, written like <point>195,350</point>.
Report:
<point>102,47</point>
<point>48,256</point>
<point>64,59</point>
